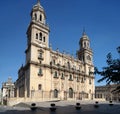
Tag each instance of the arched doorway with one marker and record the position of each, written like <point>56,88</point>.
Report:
<point>55,93</point>
<point>70,93</point>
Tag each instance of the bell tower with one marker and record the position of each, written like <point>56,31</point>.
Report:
<point>37,48</point>
<point>85,53</point>
<point>38,31</point>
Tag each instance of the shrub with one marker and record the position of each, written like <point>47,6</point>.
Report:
<point>77,103</point>
<point>52,104</point>
<point>96,102</point>
<point>110,101</point>
<point>33,104</point>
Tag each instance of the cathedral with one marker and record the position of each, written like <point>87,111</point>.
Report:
<point>52,75</point>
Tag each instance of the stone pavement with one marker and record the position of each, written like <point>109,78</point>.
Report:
<point>63,107</point>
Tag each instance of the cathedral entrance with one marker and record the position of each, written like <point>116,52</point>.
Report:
<point>70,93</point>
<point>55,93</point>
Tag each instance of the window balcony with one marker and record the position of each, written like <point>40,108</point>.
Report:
<point>40,74</point>
<point>40,58</point>
<point>56,77</point>
<point>70,79</point>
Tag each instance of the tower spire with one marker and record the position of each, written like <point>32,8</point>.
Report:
<point>38,1</point>
<point>84,33</point>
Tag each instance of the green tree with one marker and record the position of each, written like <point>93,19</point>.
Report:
<point>110,73</point>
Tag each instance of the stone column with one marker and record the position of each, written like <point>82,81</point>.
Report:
<point>17,92</point>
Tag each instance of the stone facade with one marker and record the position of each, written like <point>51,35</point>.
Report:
<point>49,74</point>
<point>0,96</point>
<point>107,92</point>
<point>7,90</point>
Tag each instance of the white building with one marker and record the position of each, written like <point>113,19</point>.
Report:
<point>0,96</point>
<point>49,74</point>
<point>7,90</point>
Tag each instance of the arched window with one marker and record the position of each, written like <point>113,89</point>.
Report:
<point>40,37</point>
<point>68,64</point>
<point>54,61</point>
<point>36,35</point>
<point>43,39</point>
<point>84,44</point>
<point>40,72</point>
<point>82,80</point>
<point>89,58</point>
<point>62,77</point>
<point>70,93</point>
<point>88,45</point>
<point>39,87</point>
<point>40,17</point>
<point>55,75</point>
<point>55,93</point>
<point>35,16</point>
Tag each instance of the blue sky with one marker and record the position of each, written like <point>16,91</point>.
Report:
<point>66,18</point>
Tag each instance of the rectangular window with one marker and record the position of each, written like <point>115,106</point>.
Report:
<point>40,56</point>
<point>55,73</point>
<point>40,72</point>
<point>89,81</point>
<point>70,77</point>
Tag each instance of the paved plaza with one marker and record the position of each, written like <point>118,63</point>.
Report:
<point>63,107</point>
